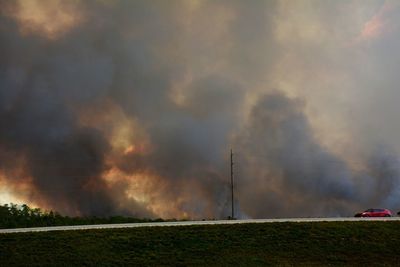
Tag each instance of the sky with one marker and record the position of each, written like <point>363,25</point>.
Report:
<point>132,107</point>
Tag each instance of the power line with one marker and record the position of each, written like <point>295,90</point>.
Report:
<point>233,206</point>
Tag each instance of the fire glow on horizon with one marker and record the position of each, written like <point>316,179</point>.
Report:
<point>131,107</point>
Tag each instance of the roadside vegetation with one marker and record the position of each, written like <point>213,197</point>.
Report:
<point>367,243</point>
<point>19,216</point>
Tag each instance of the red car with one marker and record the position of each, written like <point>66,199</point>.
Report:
<point>375,213</point>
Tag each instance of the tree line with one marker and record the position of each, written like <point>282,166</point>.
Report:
<point>20,216</point>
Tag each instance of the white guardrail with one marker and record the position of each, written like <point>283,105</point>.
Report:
<point>189,223</point>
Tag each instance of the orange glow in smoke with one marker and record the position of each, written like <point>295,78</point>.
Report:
<point>149,191</point>
<point>372,28</point>
<point>379,24</point>
<point>48,18</point>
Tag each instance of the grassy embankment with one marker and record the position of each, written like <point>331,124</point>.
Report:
<point>283,244</point>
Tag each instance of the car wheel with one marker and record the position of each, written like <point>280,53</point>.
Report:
<point>387,215</point>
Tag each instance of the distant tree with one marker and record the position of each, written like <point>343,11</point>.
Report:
<point>16,216</point>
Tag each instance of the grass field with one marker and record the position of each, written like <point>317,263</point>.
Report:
<point>281,244</point>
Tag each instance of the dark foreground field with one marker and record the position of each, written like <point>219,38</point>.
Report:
<point>283,244</point>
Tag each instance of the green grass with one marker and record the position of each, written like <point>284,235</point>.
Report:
<point>269,244</point>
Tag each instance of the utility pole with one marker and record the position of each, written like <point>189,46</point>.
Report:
<point>233,205</point>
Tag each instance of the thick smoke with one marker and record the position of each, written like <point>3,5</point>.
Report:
<point>53,80</point>
<point>131,107</point>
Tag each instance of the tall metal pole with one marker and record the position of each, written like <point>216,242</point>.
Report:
<point>233,209</point>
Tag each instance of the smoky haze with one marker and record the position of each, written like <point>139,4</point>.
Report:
<point>131,107</point>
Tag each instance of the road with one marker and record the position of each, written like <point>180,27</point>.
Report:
<point>186,223</point>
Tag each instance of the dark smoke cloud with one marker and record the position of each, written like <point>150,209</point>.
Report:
<point>286,171</point>
<point>131,107</point>
<point>47,82</point>
<point>41,83</point>
<point>283,158</point>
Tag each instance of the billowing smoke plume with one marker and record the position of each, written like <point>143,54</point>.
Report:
<point>131,107</point>
<point>288,172</point>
